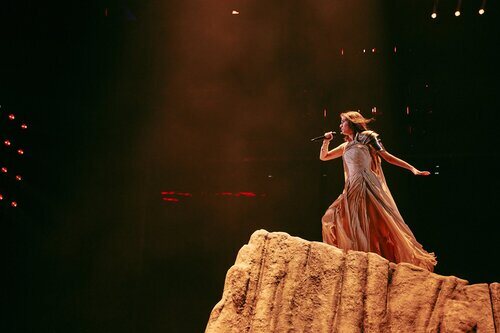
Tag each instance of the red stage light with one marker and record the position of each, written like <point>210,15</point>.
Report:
<point>12,117</point>
<point>246,194</point>
<point>170,199</point>
<point>167,192</point>
<point>20,151</point>
<point>7,142</point>
<point>19,178</point>
<point>13,204</point>
<point>1,196</point>
<point>4,170</point>
<point>225,193</point>
<point>24,126</point>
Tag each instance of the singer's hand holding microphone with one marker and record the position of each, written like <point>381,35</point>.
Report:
<point>327,136</point>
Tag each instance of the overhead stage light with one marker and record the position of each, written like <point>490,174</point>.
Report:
<point>459,6</point>
<point>481,9</point>
<point>434,9</point>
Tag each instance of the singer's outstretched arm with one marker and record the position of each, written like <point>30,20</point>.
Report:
<point>326,155</point>
<point>401,163</point>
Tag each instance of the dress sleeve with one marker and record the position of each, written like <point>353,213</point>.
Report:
<point>375,142</point>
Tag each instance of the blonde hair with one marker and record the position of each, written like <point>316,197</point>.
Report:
<point>357,122</point>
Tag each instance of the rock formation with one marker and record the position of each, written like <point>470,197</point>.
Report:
<point>281,283</point>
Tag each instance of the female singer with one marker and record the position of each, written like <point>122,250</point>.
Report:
<point>365,217</point>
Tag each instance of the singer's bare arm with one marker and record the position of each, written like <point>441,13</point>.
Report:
<point>400,163</point>
<point>336,152</point>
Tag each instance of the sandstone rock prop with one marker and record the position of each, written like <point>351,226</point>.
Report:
<point>281,283</point>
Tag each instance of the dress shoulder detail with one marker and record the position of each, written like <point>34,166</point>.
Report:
<point>370,138</point>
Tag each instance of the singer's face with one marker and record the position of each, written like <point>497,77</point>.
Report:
<point>344,127</point>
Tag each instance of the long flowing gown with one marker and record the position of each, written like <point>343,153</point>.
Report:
<point>365,217</point>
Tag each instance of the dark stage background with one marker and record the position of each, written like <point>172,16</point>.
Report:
<point>163,133</point>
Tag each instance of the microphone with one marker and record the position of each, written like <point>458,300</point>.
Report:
<point>318,138</point>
